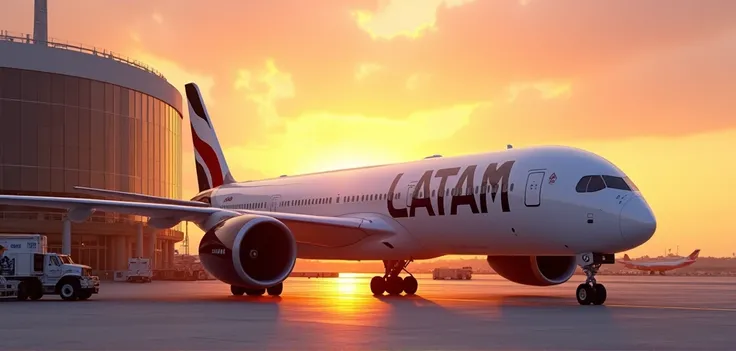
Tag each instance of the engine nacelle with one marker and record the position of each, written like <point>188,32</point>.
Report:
<point>249,251</point>
<point>534,270</point>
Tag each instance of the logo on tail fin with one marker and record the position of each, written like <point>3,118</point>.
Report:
<point>212,169</point>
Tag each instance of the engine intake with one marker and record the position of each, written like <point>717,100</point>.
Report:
<point>534,270</point>
<point>249,251</point>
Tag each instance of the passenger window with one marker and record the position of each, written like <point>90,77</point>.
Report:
<point>616,183</point>
<point>596,184</point>
<point>582,184</point>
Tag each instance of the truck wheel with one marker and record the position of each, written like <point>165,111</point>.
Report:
<point>23,288</point>
<point>84,295</point>
<point>69,290</point>
<point>36,290</point>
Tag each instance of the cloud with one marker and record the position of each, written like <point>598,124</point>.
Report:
<point>366,69</point>
<point>315,141</point>
<point>407,18</point>
<point>417,80</point>
<point>157,18</point>
<point>265,87</point>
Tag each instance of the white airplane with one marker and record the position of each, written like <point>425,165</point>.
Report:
<point>537,213</point>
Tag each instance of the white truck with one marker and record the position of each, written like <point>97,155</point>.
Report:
<point>24,260</point>
<point>139,270</point>
<point>444,273</point>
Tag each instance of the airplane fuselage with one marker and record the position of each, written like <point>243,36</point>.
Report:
<point>512,202</point>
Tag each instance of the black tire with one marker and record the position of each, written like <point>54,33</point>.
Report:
<point>410,285</point>
<point>69,289</point>
<point>600,294</point>
<point>23,290</point>
<point>36,290</point>
<point>236,290</point>
<point>84,295</point>
<point>394,285</point>
<point>585,294</point>
<point>276,290</point>
<point>378,285</point>
<point>255,292</point>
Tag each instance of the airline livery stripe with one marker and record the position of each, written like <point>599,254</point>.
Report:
<point>209,157</point>
<point>195,101</point>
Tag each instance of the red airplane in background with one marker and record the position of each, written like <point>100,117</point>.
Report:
<point>661,266</point>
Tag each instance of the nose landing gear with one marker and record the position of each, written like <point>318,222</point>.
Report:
<point>391,282</point>
<point>591,292</point>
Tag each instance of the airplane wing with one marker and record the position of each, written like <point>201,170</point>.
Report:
<point>126,196</point>
<point>312,230</point>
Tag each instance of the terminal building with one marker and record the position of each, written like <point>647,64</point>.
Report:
<point>83,116</point>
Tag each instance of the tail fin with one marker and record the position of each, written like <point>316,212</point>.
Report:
<point>212,169</point>
<point>626,257</point>
<point>694,255</point>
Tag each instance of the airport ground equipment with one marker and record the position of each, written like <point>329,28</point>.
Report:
<point>441,273</point>
<point>139,270</point>
<point>24,261</point>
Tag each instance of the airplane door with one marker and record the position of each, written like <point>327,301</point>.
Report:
<point>410,193</point>
<point>275,199</point>
<point>533,194</point>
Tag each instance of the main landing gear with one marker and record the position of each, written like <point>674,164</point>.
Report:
<point>391,282</point>
<point>275,290</point>
<point>592,292</point>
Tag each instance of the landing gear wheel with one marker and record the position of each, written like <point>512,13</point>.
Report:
<point>276,289</point>
<point>585,294</point>
<point>378,285</point>
<point>394,285</point>
<point>410,285</point>
<point>255,292</point>
<point>600,294</point>
<point>236,290</point>
<point>591,292</point>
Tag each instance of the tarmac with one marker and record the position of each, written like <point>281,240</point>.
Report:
<point>641,313</point>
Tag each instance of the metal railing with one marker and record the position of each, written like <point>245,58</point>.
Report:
<point>91,50</point>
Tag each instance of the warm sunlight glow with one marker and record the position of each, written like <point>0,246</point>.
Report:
<point>304,86</point>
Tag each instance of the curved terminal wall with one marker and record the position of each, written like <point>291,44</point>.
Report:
<point>70,118</point>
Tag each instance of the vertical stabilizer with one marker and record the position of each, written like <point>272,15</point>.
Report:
<point>212,169</point>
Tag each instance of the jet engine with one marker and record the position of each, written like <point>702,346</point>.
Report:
<point>249,251</point>
<point>534,270</point>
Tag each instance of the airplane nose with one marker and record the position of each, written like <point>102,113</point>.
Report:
<point>637,222</point>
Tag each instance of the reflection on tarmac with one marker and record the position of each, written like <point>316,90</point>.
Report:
<point>339,313</point>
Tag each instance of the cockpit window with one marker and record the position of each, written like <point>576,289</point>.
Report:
<point>616,183</point>
<point>596,184</point>
<point>582,184</point>
<point>593,183</point>
<point>631,184</point>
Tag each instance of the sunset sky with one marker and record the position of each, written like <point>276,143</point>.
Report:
<point>297,86</point>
